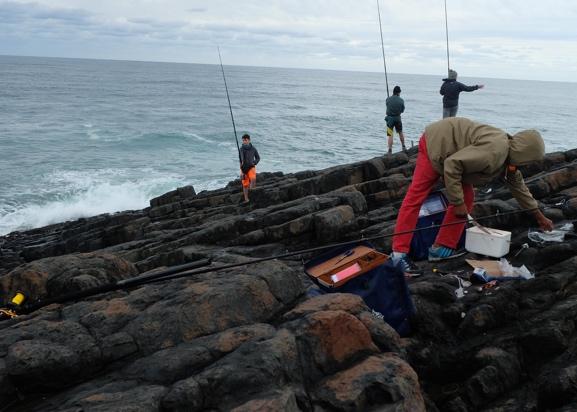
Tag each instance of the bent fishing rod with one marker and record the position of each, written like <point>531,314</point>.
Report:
<point>229,107</point>
<point>383,49</point>
<point>197,267</point>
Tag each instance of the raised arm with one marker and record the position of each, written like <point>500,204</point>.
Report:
<point>470,88</point>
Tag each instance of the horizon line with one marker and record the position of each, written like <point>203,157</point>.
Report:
<point>273,67</point>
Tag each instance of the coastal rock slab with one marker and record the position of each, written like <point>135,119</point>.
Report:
<point>243,335</point>
<point>382,381</point>
<point>57,276</point>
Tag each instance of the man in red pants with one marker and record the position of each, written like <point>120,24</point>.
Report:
<point>464,154</point>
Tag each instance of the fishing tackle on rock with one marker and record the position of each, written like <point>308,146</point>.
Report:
<point>13,308</point>
<point>230,108</point>
<point>16,306</point>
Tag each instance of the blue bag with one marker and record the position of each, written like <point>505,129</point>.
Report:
<point>383,289</point>
<point>432,213</point>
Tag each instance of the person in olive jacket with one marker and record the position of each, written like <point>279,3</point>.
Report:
<point>450,90</point>
<point>395,107</point>
<point>465,154</point>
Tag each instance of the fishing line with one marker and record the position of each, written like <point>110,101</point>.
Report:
<point>351,242</point>
<point>169,274</point>
<point>383,48</point>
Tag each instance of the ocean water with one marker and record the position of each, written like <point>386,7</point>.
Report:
<point>84,137</point>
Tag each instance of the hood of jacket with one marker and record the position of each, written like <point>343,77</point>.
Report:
<point>525,147</point>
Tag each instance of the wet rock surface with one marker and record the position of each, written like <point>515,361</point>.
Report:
<point>247,338</point>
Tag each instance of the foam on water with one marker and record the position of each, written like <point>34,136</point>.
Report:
<point>199,138</point>
<point>91,133</point>
<point>82,194</point>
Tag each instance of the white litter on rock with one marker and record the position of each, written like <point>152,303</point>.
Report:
<point>460,291</point>
<point>555,235</point>
<point>511,271</point>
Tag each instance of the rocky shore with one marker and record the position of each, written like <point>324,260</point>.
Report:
<point>248,338</point>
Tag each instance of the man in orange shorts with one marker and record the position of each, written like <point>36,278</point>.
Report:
<point>249,158</point>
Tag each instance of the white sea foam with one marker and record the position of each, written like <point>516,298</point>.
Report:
<point>93,135</point>
<point>84,195</point>
<point>91,132</point>
<point>198,137</point>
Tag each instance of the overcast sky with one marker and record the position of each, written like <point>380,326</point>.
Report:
<point>519,39</point>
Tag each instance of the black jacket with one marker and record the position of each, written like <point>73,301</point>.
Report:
<point>451,89</point>
<point>249,156</point>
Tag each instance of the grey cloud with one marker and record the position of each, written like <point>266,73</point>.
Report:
<point>243,29</point>
<point>32,19</point>
<point>14,12</point>
<point>558,32</point>
<point>64,15</point>
<point>487,34</point>
<point>157,24</point>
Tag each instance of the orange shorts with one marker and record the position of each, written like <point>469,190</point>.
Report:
<point>248,177</point>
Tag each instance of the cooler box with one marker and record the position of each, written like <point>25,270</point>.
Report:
<point>432,213</point>
<point>495,244</point>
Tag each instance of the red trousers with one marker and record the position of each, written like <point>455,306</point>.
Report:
<point>424,177</point>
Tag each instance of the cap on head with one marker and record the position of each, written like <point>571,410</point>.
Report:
<point>397,90</point>
<point>245,136</point>
<point>525,147</point>
<point>452,75</point>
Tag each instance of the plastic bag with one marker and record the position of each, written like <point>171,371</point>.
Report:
<point>460,291</point>
<point>555,236</point>
<point>508,270</point>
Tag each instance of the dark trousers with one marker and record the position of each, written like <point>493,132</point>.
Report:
<point>450,111</point>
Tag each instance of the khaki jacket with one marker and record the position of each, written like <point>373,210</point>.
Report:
<point>463,151</point>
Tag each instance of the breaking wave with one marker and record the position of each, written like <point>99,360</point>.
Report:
<point>82,194</point>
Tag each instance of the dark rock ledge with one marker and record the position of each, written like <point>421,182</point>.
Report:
<point>247,339</point>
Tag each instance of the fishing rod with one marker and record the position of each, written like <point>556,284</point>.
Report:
<point>16,306</point>
<point>196,267</point>
<point>350,242</point>
<point>383,48</point>
<point>229,106</point>
<point>447,35</point>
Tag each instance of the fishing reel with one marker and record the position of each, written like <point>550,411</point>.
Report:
<point>12,308</point>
